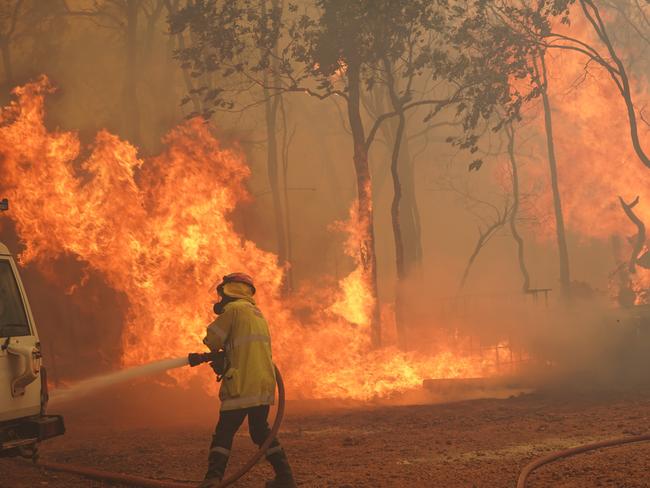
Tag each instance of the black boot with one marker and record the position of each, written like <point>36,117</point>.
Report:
<point>283,474</point>
<point>217,462</point>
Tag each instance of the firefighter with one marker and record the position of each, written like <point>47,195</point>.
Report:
<point>248,378</point>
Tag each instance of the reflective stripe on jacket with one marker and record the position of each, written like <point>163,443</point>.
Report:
<point>243,332</point>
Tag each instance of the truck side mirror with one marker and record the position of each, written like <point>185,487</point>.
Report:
<point>4,205</point>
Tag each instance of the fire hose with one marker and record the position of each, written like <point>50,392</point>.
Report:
<point>139,481</point>
<point>556,456</point>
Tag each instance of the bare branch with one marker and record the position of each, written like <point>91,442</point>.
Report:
<point>640,237</point>
<point>383,117</point>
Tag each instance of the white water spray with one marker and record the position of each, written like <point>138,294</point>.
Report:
<point>86,387</point>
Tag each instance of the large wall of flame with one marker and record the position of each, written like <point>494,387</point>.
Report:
<point>596,160</point>
<point>158,231</point>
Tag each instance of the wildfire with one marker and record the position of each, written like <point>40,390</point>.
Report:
<point>158,230</point>
<point>596,161</point>
<point>354,301</point>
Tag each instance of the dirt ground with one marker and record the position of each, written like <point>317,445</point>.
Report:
<point>163,433</point>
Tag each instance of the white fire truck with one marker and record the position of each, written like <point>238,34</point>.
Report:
<point>23,381</point>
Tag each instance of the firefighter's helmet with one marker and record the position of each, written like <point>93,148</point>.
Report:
<point>236,278</point>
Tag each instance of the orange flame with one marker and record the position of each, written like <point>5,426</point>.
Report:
<point>596,161</point>
<point>158,230</point>
<point>354,301</point>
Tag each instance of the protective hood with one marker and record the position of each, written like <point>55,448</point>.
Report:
<point>238,290</point>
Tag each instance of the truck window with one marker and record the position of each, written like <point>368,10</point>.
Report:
<point>13,320</point>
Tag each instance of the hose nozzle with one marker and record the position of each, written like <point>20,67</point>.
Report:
<point>196,358</point>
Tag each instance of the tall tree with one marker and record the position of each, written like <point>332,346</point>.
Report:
<point>375,103</point>
<point>399,77</point>
<point>516,206</point>
<point>272,102</point>
<point>526,31</point>
<point>541,81</point>
<point>400,265</point>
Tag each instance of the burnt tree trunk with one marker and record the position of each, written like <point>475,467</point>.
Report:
<point>400,265</point>
<point>405,217</point>
<point>409,213</point>
<point>286,142</point>
<point>565,276</point>
<point>271,106</point>
<point>411,229</point>
<point>525,286</point>
<point>272,166</point>
<point>364,195</point>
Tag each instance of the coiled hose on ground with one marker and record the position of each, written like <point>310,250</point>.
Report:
<point>556,456</point>
<point>142,482</point>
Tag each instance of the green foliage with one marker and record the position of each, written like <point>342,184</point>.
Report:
<point>230,40</point>
<point>237,38</point>
<point>496,42</point>
<point>480,50</point>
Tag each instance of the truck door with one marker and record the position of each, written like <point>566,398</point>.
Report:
<point>20,384</point>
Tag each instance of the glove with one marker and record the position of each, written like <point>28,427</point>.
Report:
<point>219,364</point>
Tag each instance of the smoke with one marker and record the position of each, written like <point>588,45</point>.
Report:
<point>591,344</point>
<point>535,340</point>
<point>97,383</point>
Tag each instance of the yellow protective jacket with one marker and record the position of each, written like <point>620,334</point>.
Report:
<point>242,331</point>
